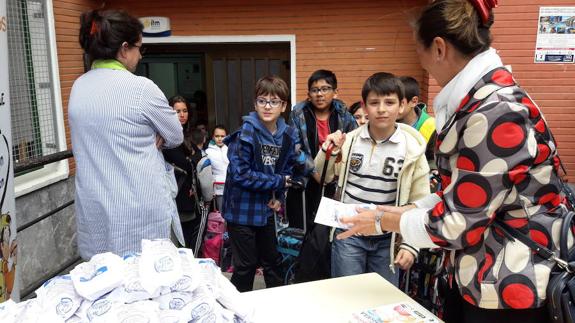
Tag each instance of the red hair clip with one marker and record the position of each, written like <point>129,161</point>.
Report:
<point>483,7</point>
<point>93,28</point>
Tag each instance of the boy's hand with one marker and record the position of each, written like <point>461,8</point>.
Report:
<point>274,205</point>
<point>404,259</point>
<point>337,139</point>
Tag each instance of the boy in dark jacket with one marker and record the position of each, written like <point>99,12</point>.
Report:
<point>321,114</point>
<point>263,156</point>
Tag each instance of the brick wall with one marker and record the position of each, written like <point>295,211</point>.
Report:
<point>352,38</point>
<point>67,19</point>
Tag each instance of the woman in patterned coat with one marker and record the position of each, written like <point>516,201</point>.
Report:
<point>497,160</point>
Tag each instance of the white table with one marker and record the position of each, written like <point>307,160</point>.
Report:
<point>330,300</point>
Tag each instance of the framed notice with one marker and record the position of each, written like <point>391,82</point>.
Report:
<point>555,35</point>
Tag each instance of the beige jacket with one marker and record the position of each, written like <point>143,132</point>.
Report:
<point>412,182</point>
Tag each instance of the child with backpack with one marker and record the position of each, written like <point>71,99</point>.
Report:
<point>264,155</point>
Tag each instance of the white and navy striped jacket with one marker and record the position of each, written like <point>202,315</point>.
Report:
<point>122,192</point>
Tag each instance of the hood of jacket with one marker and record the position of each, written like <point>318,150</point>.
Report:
<point>264,134</point>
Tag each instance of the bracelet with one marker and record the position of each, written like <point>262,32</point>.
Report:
<point>378,223</point>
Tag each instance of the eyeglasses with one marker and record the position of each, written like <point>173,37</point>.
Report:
<point>274,103</point>
<point>323,90</point>
<point>140,48</point>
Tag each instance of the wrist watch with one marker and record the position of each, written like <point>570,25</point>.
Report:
<point>378,217</point>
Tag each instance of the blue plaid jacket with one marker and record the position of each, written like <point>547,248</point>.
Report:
<point>249,185</point>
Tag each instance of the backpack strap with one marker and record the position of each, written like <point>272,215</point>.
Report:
<point>561,260</point>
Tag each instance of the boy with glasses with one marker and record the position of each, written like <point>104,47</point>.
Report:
<point>321,114</point>
<point>263,154</point>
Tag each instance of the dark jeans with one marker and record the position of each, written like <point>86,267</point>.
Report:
<point>253,246</point>
<point>457,310</point>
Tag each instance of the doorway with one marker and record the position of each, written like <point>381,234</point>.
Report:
<point>217,78</point>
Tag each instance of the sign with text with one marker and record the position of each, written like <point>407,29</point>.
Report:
<point>7,204</point>
<point>555,35</point>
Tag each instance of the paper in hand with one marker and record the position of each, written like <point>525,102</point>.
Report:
<point>331,211</point>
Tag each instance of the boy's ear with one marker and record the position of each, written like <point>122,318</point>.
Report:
<point>335,94</point>
<point>402,105</point>
<point>364,106</point>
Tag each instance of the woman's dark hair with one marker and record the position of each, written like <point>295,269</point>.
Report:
<point>186,127</point>
<point>456,21</point>
<point>221,127</point>
<point>326,75</point>
<point>272,85</point>
<point>354,107</point>
<point>383,83</point>
<point>102,32</point>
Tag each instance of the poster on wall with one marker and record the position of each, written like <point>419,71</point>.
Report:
<point>555,35</point>
<point>7,204</point>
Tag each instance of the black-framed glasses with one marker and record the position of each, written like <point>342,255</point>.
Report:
<point>274,103</point>
<point>141,48</point>
<point>323,90</point>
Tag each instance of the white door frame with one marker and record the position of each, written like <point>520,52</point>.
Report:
<point>236,39</point>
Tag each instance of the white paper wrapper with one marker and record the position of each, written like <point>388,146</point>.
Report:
<point>31,312</point>
<point>160,265</point>
<point>233,300</point>
<point>209,273</point>
<point>139,312</point>
<point>191,275</point>
<point>9,311</point>
<point>58,298</point>
<point>171,316</point>
<point>101,274</point>
<point>174,301</point>
<point>131,289</point>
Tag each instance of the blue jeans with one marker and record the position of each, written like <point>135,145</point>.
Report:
<point>359,255</point>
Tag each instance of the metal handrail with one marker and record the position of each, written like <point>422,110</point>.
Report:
<point>33,163</point>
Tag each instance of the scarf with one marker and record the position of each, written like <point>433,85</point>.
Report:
<point>447,101</point>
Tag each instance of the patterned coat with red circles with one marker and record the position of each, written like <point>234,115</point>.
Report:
<point>497,158</point>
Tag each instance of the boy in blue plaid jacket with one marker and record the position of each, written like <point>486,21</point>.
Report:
<point>264,154</point>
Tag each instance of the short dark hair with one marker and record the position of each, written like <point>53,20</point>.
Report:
<point>272,85</point>
<point>102,32</point>
<point>354,107</point>
<point>383,83</point>
<point>326,75</point>
<point>410,86</point>
<point>221,127</point>
<point>197,136</point>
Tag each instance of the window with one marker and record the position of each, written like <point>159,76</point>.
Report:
<point>35,104</point>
